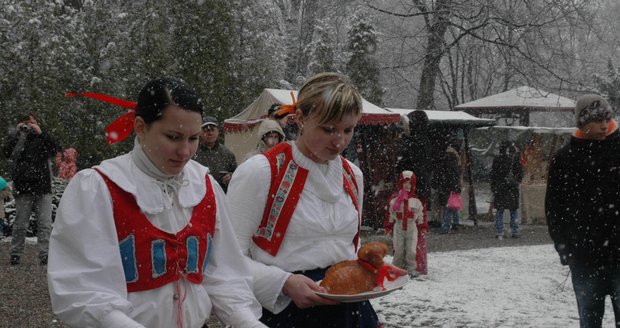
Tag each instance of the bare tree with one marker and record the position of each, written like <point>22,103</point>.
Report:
<point>476,46</point>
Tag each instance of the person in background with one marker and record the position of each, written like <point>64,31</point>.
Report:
<point>144,239</point>
<point>415,155</point>
<point>406,212</point>
<point>66,163</point>
<point>269,134</point>
<point>214,155</point>
<point>271,112</point>
<point>284,115</point>
<point>451,183</point>
<point>581,206</point>
<point>29,149</point>
<point>5,195</point>
<point>506,174</point>
<point>314,222</point>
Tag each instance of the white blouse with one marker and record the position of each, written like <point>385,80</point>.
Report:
<point>320,232</point>
<point>85,273</point>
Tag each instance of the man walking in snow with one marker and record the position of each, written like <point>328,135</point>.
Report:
<point>582,206</point>
<point>29,149</point>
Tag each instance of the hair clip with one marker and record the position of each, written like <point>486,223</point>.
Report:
<point>122,127</point>
<point>286,109</point>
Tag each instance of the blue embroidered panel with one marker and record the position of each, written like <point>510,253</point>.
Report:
<point>158,256</point>
<point>191,246</point>
<point>208,252</point>
<point>127,248</point>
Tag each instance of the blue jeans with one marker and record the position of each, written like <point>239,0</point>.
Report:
<point>450,218</point>
<point>499,222</point>
<point>591,285</point>
<point>25,205</point>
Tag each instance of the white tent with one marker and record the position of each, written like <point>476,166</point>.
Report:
<point>240,131</point>
<point>533,106</point>
<point>520,99</point>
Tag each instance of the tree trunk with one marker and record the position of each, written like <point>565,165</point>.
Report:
<point>436,28</point>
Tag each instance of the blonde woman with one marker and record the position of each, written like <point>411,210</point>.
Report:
<point>297,210</point>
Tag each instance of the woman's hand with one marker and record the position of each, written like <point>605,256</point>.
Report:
<point>301,290</point>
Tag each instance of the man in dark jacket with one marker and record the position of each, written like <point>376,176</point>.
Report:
<point>29,150</point>
<point>582,206</point>
<point>214,155</point>
<point>506,175</point>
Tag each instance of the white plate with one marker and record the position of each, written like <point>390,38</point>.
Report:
<point>390,286</point>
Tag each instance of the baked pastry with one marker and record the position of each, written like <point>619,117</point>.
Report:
<point>362,275</point>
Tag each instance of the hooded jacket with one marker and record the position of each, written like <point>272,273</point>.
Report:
<point>582,201</point>
<point>265,127</point>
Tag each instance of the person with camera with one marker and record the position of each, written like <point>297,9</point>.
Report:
<point>29,149</point>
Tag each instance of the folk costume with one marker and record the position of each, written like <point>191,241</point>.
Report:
<point>132,247</point>
<point>406,212</point>
<point>293,215</point>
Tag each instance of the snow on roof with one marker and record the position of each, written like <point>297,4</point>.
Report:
<point>535,129</point>
<point>520,99</point>
<point>447,117</point>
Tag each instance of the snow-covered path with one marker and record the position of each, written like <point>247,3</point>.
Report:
<point>492,287</point>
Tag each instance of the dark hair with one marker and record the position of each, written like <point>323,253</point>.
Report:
<point>26,117</point>
<point>506,146</point>
<point>156,95</point>
<point>272,109</point>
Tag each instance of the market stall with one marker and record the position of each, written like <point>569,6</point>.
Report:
<point>444,126</point>
<point>536,146</point>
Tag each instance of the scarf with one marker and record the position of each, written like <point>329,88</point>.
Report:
<point>403,195</point>
<point>579,134</point>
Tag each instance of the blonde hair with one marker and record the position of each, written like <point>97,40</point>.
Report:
<point>330,96</point>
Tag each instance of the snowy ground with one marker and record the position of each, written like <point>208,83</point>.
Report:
<point>493,287</point>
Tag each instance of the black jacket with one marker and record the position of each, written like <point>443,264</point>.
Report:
<point>415,157</point>
<point>582,202</point>
<point>30,169</point>
<point>505,177</point>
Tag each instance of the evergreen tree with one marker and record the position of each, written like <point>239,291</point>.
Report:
<point>362,67</point>
<point>321,50</point>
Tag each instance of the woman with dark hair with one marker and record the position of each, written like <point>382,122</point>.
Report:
<point>297,210</point>
<point>139,240</point>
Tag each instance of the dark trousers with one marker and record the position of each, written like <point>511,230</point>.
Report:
<point>592,284</point>
<point>343,315</point>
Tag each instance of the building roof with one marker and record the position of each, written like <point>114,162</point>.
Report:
<point>521,99</point>
<point>438,117</point>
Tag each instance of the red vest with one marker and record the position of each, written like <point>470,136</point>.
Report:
<point>153,258</point>
<point>287,183</point>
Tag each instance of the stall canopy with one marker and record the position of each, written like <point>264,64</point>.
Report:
<point>240,130</point>
<point>520,101</point>
<point>440,117</point>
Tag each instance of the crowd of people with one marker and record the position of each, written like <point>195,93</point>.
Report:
<point>178,230</point>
